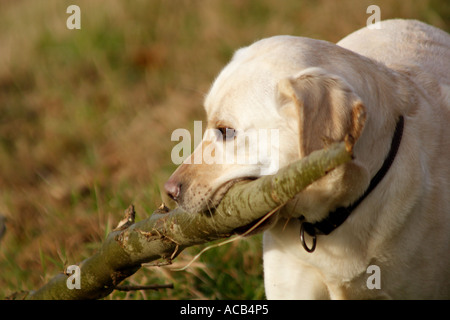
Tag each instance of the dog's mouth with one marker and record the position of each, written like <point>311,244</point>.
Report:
<point>218,195</point>
<point>253,227</point>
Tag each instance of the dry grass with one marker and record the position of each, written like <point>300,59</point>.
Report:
<point>86,118</point>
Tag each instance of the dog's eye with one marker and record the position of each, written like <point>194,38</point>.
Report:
<point>227,133</point>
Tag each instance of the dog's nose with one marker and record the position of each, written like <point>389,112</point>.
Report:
<point>173,189</point>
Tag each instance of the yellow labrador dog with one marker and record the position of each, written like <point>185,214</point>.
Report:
<point>378,227</point>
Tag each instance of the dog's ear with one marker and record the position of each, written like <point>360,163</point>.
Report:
<point>325,106</point>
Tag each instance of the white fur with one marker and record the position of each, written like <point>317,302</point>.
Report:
<point>311,90</point>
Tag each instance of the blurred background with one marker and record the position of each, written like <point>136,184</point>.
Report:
<point>86,118</point>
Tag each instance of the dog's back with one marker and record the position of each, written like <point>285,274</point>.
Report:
<point>411,46</point>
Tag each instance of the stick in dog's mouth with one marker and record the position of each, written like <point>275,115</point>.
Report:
<point>254,227</point>
<point>218,195</point>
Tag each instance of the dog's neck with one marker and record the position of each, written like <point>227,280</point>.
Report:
<point>338,216</point>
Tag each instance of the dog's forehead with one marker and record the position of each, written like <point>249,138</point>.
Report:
<point>242,92</point>
<point>239,101</point>
<point>247,84</point>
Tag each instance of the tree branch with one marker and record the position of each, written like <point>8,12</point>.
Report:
<point>149,287</point>
<point>165,234</point>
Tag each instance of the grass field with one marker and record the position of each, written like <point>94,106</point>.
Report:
<point>86,118</point>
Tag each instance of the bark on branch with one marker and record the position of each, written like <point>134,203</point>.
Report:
<point>165,234</point>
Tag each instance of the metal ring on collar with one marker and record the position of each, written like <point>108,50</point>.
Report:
<point>310,230</point>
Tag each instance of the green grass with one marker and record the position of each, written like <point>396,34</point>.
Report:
<point>86,117</point>
<point>232,271</point>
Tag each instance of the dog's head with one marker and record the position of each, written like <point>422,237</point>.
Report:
<point>264,111</point>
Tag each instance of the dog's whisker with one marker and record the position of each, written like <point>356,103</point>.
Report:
<point>212,210</point>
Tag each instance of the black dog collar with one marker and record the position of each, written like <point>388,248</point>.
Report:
<point>338,216</point>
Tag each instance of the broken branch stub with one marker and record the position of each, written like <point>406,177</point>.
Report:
<point>165,234</point>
